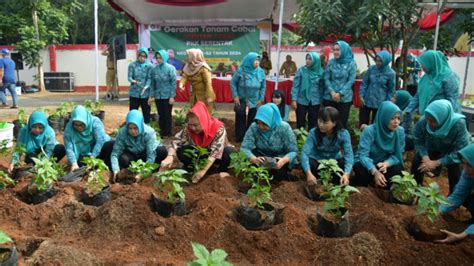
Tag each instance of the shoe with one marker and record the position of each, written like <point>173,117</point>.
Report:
<point>4,105</point>
<point>14,107</point>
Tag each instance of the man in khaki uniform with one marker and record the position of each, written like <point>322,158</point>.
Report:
<point>111,78</point>
<point>288,68</point>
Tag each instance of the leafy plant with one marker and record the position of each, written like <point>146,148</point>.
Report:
<point>326,170</point>
<point>4,238</point>
<point>156,127</point>
<point>4,147</point>
<point>93,106</point>
<point>42,109</point>
<point>405,186</point>
<point>239,162</point>
<point>301,136</point>
<point>45,172</point>
<point>171,179</point>
<point>20,149</point>
<point>198,156</point>
<point>180,115</point>
<point>95,179</point>
<point>260,178</point>
<point>5,180</point>
<point>144,169</point>
<point>204,258</point>
<point>61,169</point>
<point>21,117</point>
<point>61,111</point>
<point>337,200</point>
<point>430,200</point>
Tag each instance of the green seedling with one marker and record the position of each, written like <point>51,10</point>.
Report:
<point>301,136</point>
<point>170,180</point>
<point>198,156</point>
<point>45,172</point>
<point>239,162</point>
<point>94,106</point>
<point>180,115</point>
<point>205,258</point>
<point>21,117</point>
<point>5,180</point>
<point>326,170</point>
<point>95,179</point>
<point>4,150</point>
<point>404,186</point>
<point>429,201</point>
<point>260,178</point>
<point>337,200</point>
<point>145,170</point>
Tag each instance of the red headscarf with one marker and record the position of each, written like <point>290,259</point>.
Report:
<point>210,125</point>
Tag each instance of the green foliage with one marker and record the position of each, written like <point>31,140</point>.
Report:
<point>180,115</point>
<point>95,179</point>
<point>260,178</point>
<point>61,111</point>
<point>94,106</point>
<point>203,258</point>
<point>155,125</point>
<point>42,109</point>
<point>4,238</point>
<point>170,180</point>
<point>404,186</point>
<point>337,200</point>
<point>301,136</point>
<point>429,201</point>
<point>20,149</point>
<point>4,150</point>
<point>198,156</point>
<point>61,169</point>
<point>144,169</point>
<point>5,180</point>
<point>239,162</point>
<point>45,172</point>
<point>21,117</point>
<point>326,170</point>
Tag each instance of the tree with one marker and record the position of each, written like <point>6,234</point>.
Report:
<point>372,24</point>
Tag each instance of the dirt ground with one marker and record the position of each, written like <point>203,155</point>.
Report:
<point>125,230</point>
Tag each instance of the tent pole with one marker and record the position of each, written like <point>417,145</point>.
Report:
<point>280,26</point>
<point>467,68</point>
<point>96,41</point>
<point>438,18</point>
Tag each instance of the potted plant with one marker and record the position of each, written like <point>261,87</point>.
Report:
<point>4,149</point>
<point>98,190</point>
<point>5,180</point>
<point>96,108</point>
<point>334,221</point>
<point>198,156</point>
<point>239,163</point>
<point>45,174</point>
<point>19,122</point>
<point>301,136</point>
<point>21,169</point>
<point>170,180</point>
<point>8,253</point>
<point>206,258</point>
<point>57,119</point>
<point>403,188</point>
<point>327,170</point>
<point>427,224</point>
<point>138,170</point>
<point>180,115</point>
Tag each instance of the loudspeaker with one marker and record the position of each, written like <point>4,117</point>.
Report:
<point>59,81</point>
<point>18,59</point>
<point>120,46</point>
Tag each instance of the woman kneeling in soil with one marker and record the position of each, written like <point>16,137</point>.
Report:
<point>135,141</point>
<point>37,137</point>
<point>269,138</point>
<point>328,140</point>
<point>85,136</point>
<point>381,147</point>
<point>202,131</point>
<point>463,194</point>
<point>438,136</point>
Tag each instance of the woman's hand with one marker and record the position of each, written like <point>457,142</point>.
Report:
<point>451,237</point>
<point>281,162</point>
<point>257,160</point>
<point>171,101</point>
<point>345,179</point>
<point>167,162</point>
<point>237,101</point>
<point>74,167</point>
<point>311,179</point>
<point>379,179</point>
<point>383,167</point>
<point>198,176</point>
<point>10,168</point>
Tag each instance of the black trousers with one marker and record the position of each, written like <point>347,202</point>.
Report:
<point>412,89</point>
<point>454,170</point>
<point>223,163</point>
<point>127,157</point>
<point>278,174</point>
<point>469,204</point>
<point>243,122</point>
<point>363,177</point>
<point>343,108</point>
<point>135,103</point>
<point>164,110</point>
<point>59,152</point>
<point>104,154</point>
<point>367,115</point>
<point>307,111</point>
<point>314,164</point>
<point>409,144</point>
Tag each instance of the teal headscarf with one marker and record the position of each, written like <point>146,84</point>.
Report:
<point>143,50</point>
<point>468,154</point>
<point>310,73</point>
<point>247,64</point>
<point>386,139</point>
<point>346,53</point>
<point>437,69</point>
<point>85,137</point>
<point>135,117</point>
<point>269,114</point>
<point>403,99</point>
<point>442,112</point>
<point>164,55</point>
<point>386,58</point>
<point>31,141</point>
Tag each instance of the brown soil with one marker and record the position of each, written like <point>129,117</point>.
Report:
<point>125,230</point>
<point>427,230</point>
